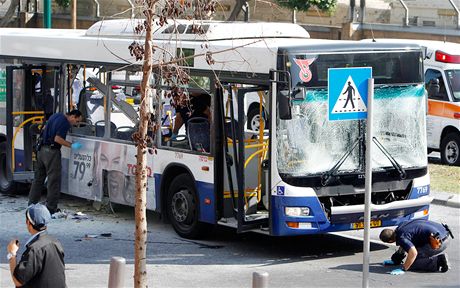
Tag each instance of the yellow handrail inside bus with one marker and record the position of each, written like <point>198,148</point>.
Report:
<point>16,131</point>
<point>27,113</point>
<point>260,151</point>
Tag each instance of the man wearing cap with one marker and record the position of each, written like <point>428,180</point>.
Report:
<point>49,158</point>
<point>424,242</point>
<point>42,263</point>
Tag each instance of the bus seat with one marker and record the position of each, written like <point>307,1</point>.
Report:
<point>100,128</point>
<point>124,133</point>
<point>198,134</point>
<point>83,128</point>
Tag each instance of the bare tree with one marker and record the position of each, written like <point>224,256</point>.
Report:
<point>168,68</point>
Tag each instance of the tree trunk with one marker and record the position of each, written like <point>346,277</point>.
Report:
<point>10,13</point>
<point>236,10</point>
<point>140,246</point>
<point>74,14</point>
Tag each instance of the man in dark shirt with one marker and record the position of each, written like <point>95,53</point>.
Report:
<point>49,158</point>
<point>413,237</point>
<point>42,263</point>
<point>183,113</point>
<point>197,106</point>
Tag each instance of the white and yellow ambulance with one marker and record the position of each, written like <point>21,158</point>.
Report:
<point>442,80</point>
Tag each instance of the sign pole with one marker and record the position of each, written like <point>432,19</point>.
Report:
<point>368,184</point>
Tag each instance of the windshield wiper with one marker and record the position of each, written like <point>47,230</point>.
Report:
<point>327,177</point>
<point>396,165</point>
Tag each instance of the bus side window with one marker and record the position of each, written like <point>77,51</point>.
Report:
<point>430,75</point>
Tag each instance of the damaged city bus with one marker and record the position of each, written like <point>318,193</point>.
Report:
<point>294,173</point>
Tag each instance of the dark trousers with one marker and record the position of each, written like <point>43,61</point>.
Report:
<point>48,165</point>
<point>427,257</point>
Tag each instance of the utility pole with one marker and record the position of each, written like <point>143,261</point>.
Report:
<point>74,14</point>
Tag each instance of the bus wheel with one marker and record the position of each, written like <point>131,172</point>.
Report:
<point>6,186</point>
<point>450,149</point>
<point>183,207</point>
<point>254,119</point>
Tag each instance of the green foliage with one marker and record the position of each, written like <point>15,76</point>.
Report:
<point>304,5</point>
<point>63,3</point>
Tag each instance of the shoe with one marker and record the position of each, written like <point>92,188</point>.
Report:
<point>443,263</point>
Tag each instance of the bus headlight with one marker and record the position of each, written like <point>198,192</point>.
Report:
<point>297,211</point>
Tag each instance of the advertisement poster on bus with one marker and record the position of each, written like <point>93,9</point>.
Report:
<point>80,171</point>
<point>113,165</point>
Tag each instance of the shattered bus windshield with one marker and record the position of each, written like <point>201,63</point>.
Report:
<point>309,144</point>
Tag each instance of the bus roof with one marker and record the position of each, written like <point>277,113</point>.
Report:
<point>210,30</point>
<point>431,44</point>
<point>434,51</point>
<point>235,46</point>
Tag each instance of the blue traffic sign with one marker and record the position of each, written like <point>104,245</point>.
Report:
<point>347,93</point>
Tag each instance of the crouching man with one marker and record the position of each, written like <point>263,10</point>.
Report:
<point>42,263</point>
<point>424,242</point>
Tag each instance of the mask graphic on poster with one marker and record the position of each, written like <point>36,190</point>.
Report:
<point>110,161</point>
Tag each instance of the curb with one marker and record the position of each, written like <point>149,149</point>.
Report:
<point>451,201</point>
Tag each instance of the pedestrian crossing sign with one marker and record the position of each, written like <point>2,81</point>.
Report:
<point>347,93</point>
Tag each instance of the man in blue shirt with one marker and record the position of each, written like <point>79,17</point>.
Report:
<point>424,242</point>
<point>49,158</point>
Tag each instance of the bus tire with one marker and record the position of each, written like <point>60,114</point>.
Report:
<point>254,119</point>
<point>183,208</point>
<point>450,149</point>
<point>6,186</point>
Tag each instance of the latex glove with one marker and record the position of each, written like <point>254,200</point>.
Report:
<point>398,271</point>
<point>388,262</point>
<point>76,145</point>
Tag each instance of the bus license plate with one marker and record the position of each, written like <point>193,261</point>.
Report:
<point>360,225</point>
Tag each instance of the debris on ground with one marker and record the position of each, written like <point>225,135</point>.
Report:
<point>80,216</point>
<point>95,236</point>
<point>59,215</point>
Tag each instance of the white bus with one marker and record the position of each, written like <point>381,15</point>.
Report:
<point>298,174</point>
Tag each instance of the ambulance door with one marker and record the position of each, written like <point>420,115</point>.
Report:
<point>437,97</point>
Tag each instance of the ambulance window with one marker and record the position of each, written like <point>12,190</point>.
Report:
<point>453,78</point>
<point>432,79</point>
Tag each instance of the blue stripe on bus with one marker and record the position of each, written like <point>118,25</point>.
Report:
<point>18,158</point>
<point>318,221</point>
<point>205,191</point>
<point>279,219</point>
<point>419,191</point>
<point>157,192</point>
<point>207,211</point>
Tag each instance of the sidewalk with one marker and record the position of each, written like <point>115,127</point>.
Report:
<point>446,199</point>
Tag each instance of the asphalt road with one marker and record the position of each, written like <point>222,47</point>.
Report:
<point>225,259</point>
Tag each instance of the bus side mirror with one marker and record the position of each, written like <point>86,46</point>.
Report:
<point>298,94</point>
<point>433,87</point>
<point>284,105</point>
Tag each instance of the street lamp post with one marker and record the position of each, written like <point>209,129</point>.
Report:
<point>47,13</point>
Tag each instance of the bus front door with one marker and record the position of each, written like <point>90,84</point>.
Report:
<point>247,147</point>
